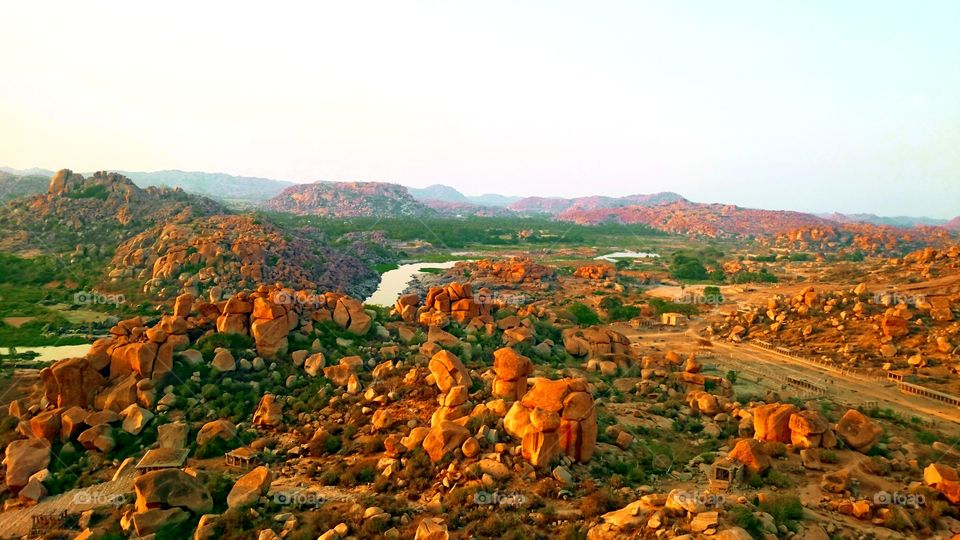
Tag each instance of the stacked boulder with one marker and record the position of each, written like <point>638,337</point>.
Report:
<point>452,302</point>
<point>511,370</point>
<point>271,312</point>
<point>513,270</point>
<point>453,380</point>
<point>596,342</point>
<point>554,417</point>
<point>785,423</point>
<point>595,271</point>
<point>406,307</point>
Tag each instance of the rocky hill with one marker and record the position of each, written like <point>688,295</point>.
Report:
<point>348,199</point>
<point>557,205</point>
<point>100,210</point>
<point>229,253</point>
<point>953,224</point>
<point>713,220</point>
<point>895,221</point>
<point>863,237</point>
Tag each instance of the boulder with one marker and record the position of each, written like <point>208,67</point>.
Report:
<point>944,479</point>
<point>771,422</point>
<point>250,487</point>
<point>511,370</point>
<point>223,361</point>
<point>857,431</point>
<point>751,453</point>
<point>24,457</point>
<point>168,488</point>
<point>173,435</point>
<point>135,418</point>
<point>431,529</point>
<point>444,438</point>
<point>269,412</point>
<point>222,429</point>
<point>99,437</point>
<point>314,364</point>
<point>807,428</point>
<point>448,371</point>
<point>148,522</point>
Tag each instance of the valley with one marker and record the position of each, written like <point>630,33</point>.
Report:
<point>345,360</point>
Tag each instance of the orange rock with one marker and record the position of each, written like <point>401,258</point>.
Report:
<point>444,438</point>
<point>771,422</point>
<point>750,452</point>
<point>857,431</point>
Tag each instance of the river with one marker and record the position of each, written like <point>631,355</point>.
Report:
<point>612,257</point>
<point>394,282</point>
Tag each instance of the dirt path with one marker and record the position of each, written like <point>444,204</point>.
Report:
<point>17,523</point>
<point>847,389</point>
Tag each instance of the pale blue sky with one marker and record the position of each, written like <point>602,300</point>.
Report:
<point>815,106</point>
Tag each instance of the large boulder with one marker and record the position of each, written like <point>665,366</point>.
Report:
<point>269,412</point>
<point>169,488</point>
<point>349,314</point>
<point>216,429</point>
<point>270,336</point>
<point>751,453</point>
<point>24,457</point>
<point>944,479</point>
<point>72,382</point>
<point>553,417</point>
<point>807,429</point>
<point>250,487</point>
<point>857,431</point>
<point>448,371</point>
<point>443,438</point>
<point>511,370</point>
<point>771,422</point>
<point>149,522</point>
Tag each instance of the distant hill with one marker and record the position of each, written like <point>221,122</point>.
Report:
<point>953,224</point>
<point>95,212</point>
<point>893,221</point>
<point>215,185</point>
<point>439,193</point>
<point>348,199</point>
<point>685,217</point>
<point>556,205</point>
<point>34,171</point>
<point>14,186</point>
<point>220,186</point>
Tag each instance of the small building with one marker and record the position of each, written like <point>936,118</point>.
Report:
<point>162,458</point>
<point>242,457</point>
<point>671,319</point>
<point>724,473</point>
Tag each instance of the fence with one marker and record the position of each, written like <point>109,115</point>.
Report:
<point>872,375</point>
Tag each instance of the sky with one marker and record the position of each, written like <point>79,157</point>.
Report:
<point>817,106</point>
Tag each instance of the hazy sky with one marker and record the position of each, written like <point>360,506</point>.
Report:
<point>816,106</point>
